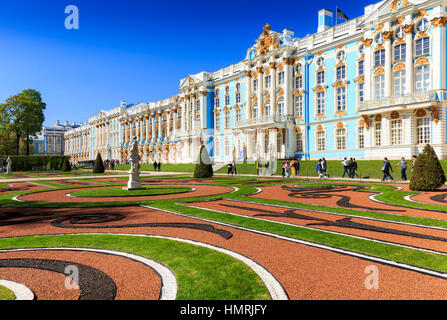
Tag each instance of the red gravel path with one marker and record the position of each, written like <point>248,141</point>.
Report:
<point>305,272</point>
<point>140,284</point>
<point>359,198</point>
<point>221,205</point>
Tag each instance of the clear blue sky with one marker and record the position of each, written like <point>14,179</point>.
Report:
<point>133,50</point>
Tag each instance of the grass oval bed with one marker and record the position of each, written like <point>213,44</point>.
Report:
<point>119,192</point>
<point>6,294</point>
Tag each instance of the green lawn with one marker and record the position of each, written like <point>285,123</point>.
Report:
<point>6,294</point>
<point>119,192</point>
<point>367,169</point>
<point>168,167</point>
<point>202,273</point>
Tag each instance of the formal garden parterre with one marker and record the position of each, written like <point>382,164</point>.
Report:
<point>225,237</point>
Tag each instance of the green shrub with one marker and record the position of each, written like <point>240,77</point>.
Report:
<point>428,174</point>
<point>66,165</point>
<point>27,163</point>
<point>99,165</point>
<point>204,167</point>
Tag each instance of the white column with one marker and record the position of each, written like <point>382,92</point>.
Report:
<point>409,68</point>
<point>248,90</point>
<point>367,69</point>
<point>288,105</point>
<point>203,113</point>
<point>388,63</point>
<point>272,88</point>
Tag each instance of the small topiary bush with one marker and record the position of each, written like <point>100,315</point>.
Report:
<point>428,174</point>
<point>204,167</point>
<point>99,165</point>
<point>66,165</point>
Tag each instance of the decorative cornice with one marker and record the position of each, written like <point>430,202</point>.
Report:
<point>439,22</point>
<point>408,29</point>
<point>399,66</point>
<point>421,61</point>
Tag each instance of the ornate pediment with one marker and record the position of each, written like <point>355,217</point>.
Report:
<point>267,41</point>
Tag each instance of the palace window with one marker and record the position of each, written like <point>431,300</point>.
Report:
<point>217,121</point>
<point>255,110</point>
<point>378,134</point>
<point>341,99</point>
<point>340,136</point>
<point>227,146</point>
<point>396,132</point>
<point>379,57</point>
<point>227,119</point>
<point>400,33</point>
<point>360,88</point>
<point>341,55</point>
<point>423,46</point>
<point>422,26</point>
<point>238,98</point>
<point>423,130</point>
<point>361,67</point>
<point>267,109</point>
<point>298,69</point>
<point>341,73</point>
<point>321,141</point>
<point>299,82</point>
<point>399,83</point>
<point>422,79</point>
<point>217,147</point>
<point>321,102</point>
<point>400,52</point>
<point>379,38</point>
<point>320,62</point>
<point>227,100</point>
<point>379,86</point>
<point>281,78</point>
<point>268,82</point>
<point>255,85</point>
<point>361,137</point>
<point>238,86</point>
<point>238,115</point>
<point>320,77</point>
<point>299,142</point>
<point>299,106</point>
<point>281,106</point>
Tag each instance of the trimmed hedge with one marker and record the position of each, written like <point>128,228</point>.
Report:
<point>27,163</point>
<point>99,164</point>
<point>204,167</point>
<point>428,174</point>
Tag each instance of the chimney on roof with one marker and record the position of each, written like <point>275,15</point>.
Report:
<point>325,19</point>
<point>66,122</point>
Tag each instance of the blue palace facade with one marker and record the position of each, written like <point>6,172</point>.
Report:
<point>371,87</point>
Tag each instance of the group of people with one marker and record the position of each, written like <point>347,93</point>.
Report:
<point>322,168</point>
<point>157,166</point>
<point>110,164</point>
<point>350,168</point>
<point>290,168</point>
<point>232,169</point>
<point>387,167</point>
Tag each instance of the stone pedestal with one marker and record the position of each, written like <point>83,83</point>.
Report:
<point>134,181</point>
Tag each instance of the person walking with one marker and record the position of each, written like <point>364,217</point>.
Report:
<point>155,165</point>
<point>234,171</point>
<point>283,166</point>
<point>386,170</point>
<point>292,168</point>
<point>230,169</point>
<point>159,166</point>
<point>320,169</point>
<point>403,172</point>
<point>297,167</point>
<point>258,167</point>
<point>324,167</point>
<point>354,169</point>
<point>345,164</point>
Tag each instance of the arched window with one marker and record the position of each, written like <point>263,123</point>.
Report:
<point>267,109</point>
<point>423,126</point>
<point>281,106</point>
<point>255,110</point>
<point>340,136</point>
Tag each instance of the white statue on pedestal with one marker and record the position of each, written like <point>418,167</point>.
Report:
<point>134,173</point>
<point>8,165</point>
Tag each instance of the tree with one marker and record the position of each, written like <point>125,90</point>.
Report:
<point>99,165</point>
<point>22,115</point>
<point>428,174</point>
<point>204,167</point>
<point>66,166</point>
